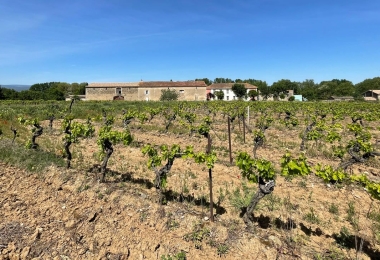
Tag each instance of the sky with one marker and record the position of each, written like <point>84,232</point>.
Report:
<point>132,40</point>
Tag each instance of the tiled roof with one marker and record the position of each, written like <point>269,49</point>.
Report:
<point>169,84</point>
<point>149,84</point>
<point>112,84</point>
<point>229,86</point>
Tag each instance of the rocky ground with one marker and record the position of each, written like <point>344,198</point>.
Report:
<point>68,214</point>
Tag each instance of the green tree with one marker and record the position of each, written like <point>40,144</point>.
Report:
<point>31,95</point>
<point>335,87</point>
<point>46,91</point>
<point>206,80</point>
<point>223,80</point>
<point>345,89</point>
<point>367,84</point>
<point>168,95</point>
<point>262,87</point>
<point>282,86</point>
<point>63,87</point>
<point>43,86</point>
<point>219,94</point>
<point>1,93</point>
<point>10,94</point>
<point>309,89</point>
<point>81,90</point>
<point>54,94</point>
<point>253,94</point>
<point>239,90</point>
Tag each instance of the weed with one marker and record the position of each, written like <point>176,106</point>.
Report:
<point>332,253</point>
<point>233,230</point>
<point>143,216</point>
<point>179,256</point>
<point>222,249</point>
<point>185,188</point>
<point>109,190</point>
<point>289,206</point>
<point>122,185</point>
<point>197,235</point>
<point>240,199</point>
<point>343,238</point>
<point>375,217</point>
<point>100,195</point>
<point>221,196</point>
<point>311,196</point>
<point>311,217</point>
<point>302,184</point>
<point>192,175</point>
<point>351,212</point>
<point>333,209</point>
<point>272,202</point>
<point>83,188</point>
<point>172,224</point>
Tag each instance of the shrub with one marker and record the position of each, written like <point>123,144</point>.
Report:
<point>168,95</point>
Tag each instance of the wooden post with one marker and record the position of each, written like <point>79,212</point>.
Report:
<point>210,180</point>
<point>248,115</point>
<point>243,129</point>
<point>229,138</point>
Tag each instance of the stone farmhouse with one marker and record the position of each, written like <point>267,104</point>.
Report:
<point>341,98</point>
<point>372,95</point>
<point>227,89</point>
<point>146,90</point>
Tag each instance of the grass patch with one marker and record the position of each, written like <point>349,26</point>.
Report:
<point>333,209</point>
<point>240,198</point>
<point>28,159</point>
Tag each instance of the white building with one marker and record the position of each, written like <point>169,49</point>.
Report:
<point>226,88</point>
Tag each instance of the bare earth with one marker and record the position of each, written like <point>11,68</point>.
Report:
<point>68,214</point>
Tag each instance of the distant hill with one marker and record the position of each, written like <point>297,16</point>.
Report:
<point>16,87</point>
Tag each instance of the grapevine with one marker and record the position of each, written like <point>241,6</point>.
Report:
<point>37,131</point>
<point>72,132</point>
<point>106,139</point>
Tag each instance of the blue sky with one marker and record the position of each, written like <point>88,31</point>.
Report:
<point>128,40</point>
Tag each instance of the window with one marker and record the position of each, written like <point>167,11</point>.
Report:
<point>234,97</point>
<point>182,91</point>
<point>146,92</point>
<point>228,91</point>
<point>118,91</point>
<point>228,98</point>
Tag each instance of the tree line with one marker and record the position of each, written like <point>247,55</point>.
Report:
<point>307,88</point>
<point>45,91</point>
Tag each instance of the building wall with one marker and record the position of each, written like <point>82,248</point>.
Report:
<point>370,93</point>
<point>229,94</point>
<point>144,93</point>
<point>130,94</point>
<point>106,93</point>
<point>185,93</point>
